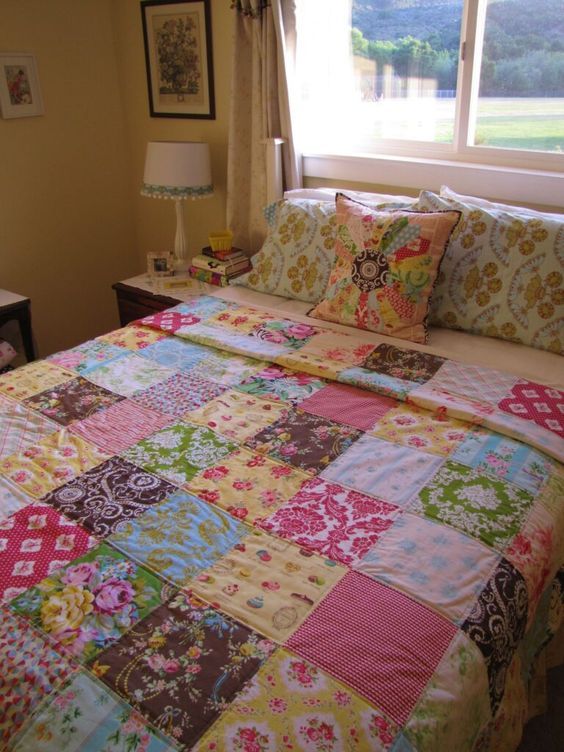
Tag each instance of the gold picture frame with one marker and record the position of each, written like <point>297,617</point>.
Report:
<point>160,264</point>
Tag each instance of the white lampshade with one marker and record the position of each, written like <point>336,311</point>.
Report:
<point>177,170</point>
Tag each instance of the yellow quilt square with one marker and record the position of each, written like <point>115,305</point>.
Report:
<point>51,463</point>
<point>316,365</point>
<point>242,320</point>
<point>133,337</point>
<point>248,485</point>
<point>421,429</point>
<point>292,704</point>
<point>268,584</point>
<point>237,415</point>
<point>33,378</point>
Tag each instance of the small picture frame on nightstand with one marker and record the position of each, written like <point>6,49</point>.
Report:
<point>160,265</point>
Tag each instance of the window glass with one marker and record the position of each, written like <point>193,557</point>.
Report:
<point>521,94</point>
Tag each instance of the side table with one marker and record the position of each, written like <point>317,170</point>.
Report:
<point>16,307</point>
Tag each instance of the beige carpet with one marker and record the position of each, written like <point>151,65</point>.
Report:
<point>545,733</point>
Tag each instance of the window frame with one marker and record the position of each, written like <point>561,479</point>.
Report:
<point>510,174</point>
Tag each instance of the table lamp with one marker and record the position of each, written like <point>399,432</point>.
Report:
<point>177,170</point>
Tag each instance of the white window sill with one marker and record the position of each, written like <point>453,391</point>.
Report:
<point>511,184</point>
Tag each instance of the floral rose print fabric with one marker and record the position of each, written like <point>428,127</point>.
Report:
<point>266,535</point>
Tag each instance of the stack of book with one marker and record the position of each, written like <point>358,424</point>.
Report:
<point>219,267</point>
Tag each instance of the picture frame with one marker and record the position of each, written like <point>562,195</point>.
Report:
<point>160,264</point>
<point>20,93</point>
<point>178,58</point>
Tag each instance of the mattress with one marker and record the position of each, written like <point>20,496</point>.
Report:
<point>228,527</point>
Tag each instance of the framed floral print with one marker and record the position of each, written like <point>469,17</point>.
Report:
<point>20,95</point>
<point>178,55</point>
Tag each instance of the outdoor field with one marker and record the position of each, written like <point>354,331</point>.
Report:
<point>514,123</point>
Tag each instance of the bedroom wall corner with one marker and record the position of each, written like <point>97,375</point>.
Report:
<point>66,227</point>
<point>154,222</point>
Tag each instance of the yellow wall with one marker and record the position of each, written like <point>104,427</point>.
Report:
<point>66,222</point>
<point>72,221</point>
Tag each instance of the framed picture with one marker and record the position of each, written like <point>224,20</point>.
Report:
<point>20,95</point>
<point>178,55</point>
<point>160,264</point>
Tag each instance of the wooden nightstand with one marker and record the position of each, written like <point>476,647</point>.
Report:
<point>16,307</point>
<point>136,299</point>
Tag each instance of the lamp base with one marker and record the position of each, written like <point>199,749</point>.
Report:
<point>181,265</point>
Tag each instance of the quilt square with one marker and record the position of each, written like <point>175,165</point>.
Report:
<point>541,404</point>
<point>479,505</point>
<point>21,427</point>
<point>504,603</point>
<point>31,669</point>
<point>129,374</point>
<point>109,494</point>
<point>268,583</point>
<point>290,334</point>
<point>179,451</point>
<point>73,400</point>
<point>338,348</point>
<point>120,426</point>
<point>87,355</point>
<point>53,461</point>
<point>316,364</point>
<point>247,485</point>
<point>12,498</point>
<point>170,320</point>
<point>408,365</point>
<point>292,704</point>
<point>90,603</point>
<point>475,382</point>
<point>175,353</point>
<point>388,386</point>
<point>237,415</point>
<point>180,393</point>
<point>432,563</point>
<point>34,542</point>
<point>377,641</point>
<point>226,368</point>
<point>85,716</point>
<point>504,458</point>
<point>183,665</point>
<point>133,337</point>
<point>179,537</point>
<point>418,428</point>
<point>346,404</point>
<point>278,383</point>
<point>33,378</point>
<point>304,440</point>
<point>390,472</point>
<point>332,521</point>
<point>242,320</point>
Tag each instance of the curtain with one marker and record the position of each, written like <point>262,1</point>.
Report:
<point>263,56</point>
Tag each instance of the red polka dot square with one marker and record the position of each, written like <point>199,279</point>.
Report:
<point>170,321</point>
<point>34,542</point>
<point>541,404</point>
<point>378,641</point>
<point>347,404</point>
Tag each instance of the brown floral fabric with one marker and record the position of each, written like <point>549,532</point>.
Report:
<point>403,364</point>
<point>73,400</point>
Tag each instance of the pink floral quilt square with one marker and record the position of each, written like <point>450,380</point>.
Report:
<point>378,641</point>
<point>334,521</point>
<point>347,404</point>
<point>120,426</point>
<point>34,542</point>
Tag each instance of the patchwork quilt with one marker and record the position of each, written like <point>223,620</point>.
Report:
<point>225,530</point>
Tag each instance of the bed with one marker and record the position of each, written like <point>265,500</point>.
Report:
<point>235,526</point>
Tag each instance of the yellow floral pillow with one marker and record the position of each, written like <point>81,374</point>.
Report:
<point>299,250</point>
<point>502,274</point>
<point>385,267</point>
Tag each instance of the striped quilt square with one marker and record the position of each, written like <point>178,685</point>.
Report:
<point>377,640</point>
<point>347,404</point>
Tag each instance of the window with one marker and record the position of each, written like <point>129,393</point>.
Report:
<point>475,81</point>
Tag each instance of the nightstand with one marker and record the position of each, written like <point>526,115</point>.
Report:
<point>137,297</point>
<point>17,308</point>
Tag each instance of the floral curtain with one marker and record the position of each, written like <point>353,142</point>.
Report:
<point>263,54</point>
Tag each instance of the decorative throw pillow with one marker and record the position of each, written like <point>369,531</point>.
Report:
<point>502,274</point>
<point>385,267</point>
<point>299,250</point>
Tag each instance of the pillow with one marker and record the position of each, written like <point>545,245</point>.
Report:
<point>371,199</point>
<point>483,203</point>
<point>298,252</point>
<point>385,267</point>
<point>502,274</point>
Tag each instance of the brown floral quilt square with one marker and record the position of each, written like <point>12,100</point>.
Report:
<point>73,400</point>
<point>408,365</point>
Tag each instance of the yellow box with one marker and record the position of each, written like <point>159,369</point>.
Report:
<point>221,241</point>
